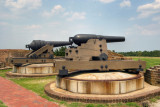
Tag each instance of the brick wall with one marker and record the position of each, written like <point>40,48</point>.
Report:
<point>152,75</point>
<point>8,53</point>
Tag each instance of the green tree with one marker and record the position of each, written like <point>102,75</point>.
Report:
<point>60,51</point>
<point>155,53</point>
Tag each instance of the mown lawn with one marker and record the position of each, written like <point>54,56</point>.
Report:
<point>150,61</point>
<point>37,86</point>
<point>2,72</point>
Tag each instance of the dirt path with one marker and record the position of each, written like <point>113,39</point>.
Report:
<point>14,95</point>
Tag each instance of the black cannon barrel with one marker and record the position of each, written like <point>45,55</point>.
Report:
<point>83,38</point>
<point>37,44</point>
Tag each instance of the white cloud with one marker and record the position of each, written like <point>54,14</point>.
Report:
<point>148,13</point>
<point>125,3</point>
<point>64,32</point>
<point>106,1</point>
<point>70,16</point>
<point>55,10</point>
<point>27,4</point>
<point>154,5</point>
<point>149,9</point>
<point>4,15</point>
<point>77,16</point>
<point>54,23</point>
<point>156,19</point>
<point>40,37</point>
<point>131,18</point>
<point>3,23</point>
<point>148,30</point>
<point>66,13</point>
<point>33,27</point>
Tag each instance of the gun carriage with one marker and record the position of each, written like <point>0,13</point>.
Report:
<point>42,52</point>
<point>90,53</point>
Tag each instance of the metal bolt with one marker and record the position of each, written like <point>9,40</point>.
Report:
<point>140,66</point>
<point>106,66</point>
<point>63,67</point>
<point>101,66</point>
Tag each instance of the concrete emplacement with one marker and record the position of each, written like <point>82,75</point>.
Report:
<point>146,93</point>
<point>33,70</point>
<point>102,87</point>
<point>103,83</point>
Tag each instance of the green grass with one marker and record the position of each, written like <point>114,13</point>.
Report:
<point>153,100</point>
<point>150,61</point>
<point>35,84</point>
<point>75,104</point>
<point>2,72</point>
<point>2,104</point>
<point>157,97</point>
<point>63,103</point>
<point>100,105</point>
<point>90,105</point>
<point>132,104</point>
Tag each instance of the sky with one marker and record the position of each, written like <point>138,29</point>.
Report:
<point>22,21</point>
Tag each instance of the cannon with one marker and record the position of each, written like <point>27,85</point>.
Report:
<point>92,54</point>
<point>83,38</point>
<point>42,52</point>
<point>37,44</point>
<point>44,49</point>
<point>89,53</point>
<point>91,47</point>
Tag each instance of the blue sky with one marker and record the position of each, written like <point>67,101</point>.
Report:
<point>22,21</point>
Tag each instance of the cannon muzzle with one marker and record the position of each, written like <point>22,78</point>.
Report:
<point>83,38</point>
<point>37,44</point>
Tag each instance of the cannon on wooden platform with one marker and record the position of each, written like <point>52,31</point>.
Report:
<point>92,54</point>
<point>42,52</point>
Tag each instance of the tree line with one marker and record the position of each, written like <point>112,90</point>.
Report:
<point>155,53</point>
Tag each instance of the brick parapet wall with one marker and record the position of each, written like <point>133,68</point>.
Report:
<point>152,75</point>
<point>8,53</point>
